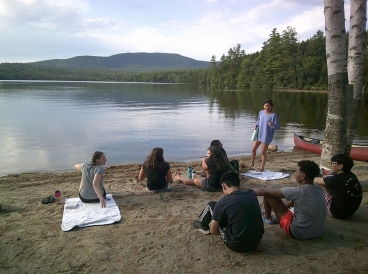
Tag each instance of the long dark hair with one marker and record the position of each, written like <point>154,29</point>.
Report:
<point>222,163</point>
<point>155,158</point>
<point>96,155</point>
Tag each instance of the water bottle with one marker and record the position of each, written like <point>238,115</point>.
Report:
<point>254,135</point>
<point>190,172</point>
<point>194,173</point>
<point>57,196</point>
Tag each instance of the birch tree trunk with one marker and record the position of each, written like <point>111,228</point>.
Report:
<point>357,44</point>
<point>336,121</point>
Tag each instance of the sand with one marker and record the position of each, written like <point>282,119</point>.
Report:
<point>155,234</point>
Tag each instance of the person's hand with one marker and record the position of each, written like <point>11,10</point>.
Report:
<point>103,203</point>
<point>270,124</point>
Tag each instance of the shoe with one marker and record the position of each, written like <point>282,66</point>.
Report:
<point>197,225</point>
<point>168,189</point>
<point>48,200</point>
<point>266,221</point>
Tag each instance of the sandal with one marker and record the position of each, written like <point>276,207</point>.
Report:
<point>48,200</point>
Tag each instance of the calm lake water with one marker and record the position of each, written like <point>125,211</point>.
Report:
<point>50,126</point>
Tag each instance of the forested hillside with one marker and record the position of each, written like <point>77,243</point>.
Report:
<point>128,62</point>
<point>283,62</point>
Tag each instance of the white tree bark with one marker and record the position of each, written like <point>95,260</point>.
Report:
<point>336,121</point>
<point>357,44</point>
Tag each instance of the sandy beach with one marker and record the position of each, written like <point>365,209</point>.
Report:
<point>155,234</point>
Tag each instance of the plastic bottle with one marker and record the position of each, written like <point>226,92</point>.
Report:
<point>190,172</point>
<point>194,173</point>
<point>57,196</point>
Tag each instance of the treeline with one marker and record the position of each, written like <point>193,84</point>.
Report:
<point>283,62</point>
<point>22,71</point>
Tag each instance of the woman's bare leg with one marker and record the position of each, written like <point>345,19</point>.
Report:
<point>267,209</point>
<point>254,151</point>
<point>192,182</point>
<point>264,156</point>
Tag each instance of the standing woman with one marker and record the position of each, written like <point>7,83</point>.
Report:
<point>157,171</point>
<point>91,189</point>
<point>216,164</point>
<point>267,123</point>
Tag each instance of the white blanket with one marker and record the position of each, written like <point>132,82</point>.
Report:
<point>78,214</point>
<point>265,175</point>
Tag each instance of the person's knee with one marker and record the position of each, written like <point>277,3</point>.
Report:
<point>212,204</point>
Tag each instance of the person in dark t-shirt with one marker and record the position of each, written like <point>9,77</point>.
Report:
<point>215,164</point>
<point>157,171</point>
<point>234,163</point>
<point>343,191</point>
<point>236,216</point>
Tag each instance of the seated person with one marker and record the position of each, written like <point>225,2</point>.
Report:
<point>91,189</point>
<point>235,163</point>
<point>216,164</point>
<point>309,217</point>
<point>157,171</point>
<point>343,191</point>
<point>236,216</point>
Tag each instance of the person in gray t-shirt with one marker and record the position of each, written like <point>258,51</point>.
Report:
<point>91,188</point>
<point>309,217</point>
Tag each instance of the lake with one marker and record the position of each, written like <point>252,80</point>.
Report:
<point>50,126</point>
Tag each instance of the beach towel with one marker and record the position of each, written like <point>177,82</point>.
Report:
<point>79,214</point>
<point>265,175</point>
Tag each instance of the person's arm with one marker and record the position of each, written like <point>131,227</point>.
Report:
<point>214,227</point>
<point>258,119</point>
<point>169,176</point>
<point>204,164</point>
<point>289,204</point>
<point>142,174</point>
<point>319,181</point>
<point>275,122</point>
<point>80,186</point>
<point>96,186</point>
<point>269,192</point>
<point>79,167</point>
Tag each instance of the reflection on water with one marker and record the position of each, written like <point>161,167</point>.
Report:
<point>48,126</point>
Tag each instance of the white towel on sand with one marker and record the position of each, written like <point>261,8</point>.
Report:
<point>265,175</point>
<point>78,214</point>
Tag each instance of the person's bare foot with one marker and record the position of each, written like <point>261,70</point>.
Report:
<point>177,176</point>
<point>261,169</point>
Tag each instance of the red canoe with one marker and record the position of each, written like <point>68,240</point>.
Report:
<point>358,152</point>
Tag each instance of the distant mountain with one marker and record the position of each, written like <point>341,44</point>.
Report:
<point>129,62</point>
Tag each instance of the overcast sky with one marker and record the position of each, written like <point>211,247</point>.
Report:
<point>35,30</point>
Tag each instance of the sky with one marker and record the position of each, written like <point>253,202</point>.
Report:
<point>35,30</point>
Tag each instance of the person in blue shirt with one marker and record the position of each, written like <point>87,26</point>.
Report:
<point>267,123</point>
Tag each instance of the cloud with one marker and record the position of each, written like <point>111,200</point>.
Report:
<point>46,15</point>
<point>47,29</point>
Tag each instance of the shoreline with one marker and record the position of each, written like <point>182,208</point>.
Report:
<point>155,234</point>
<point>192,160</point>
